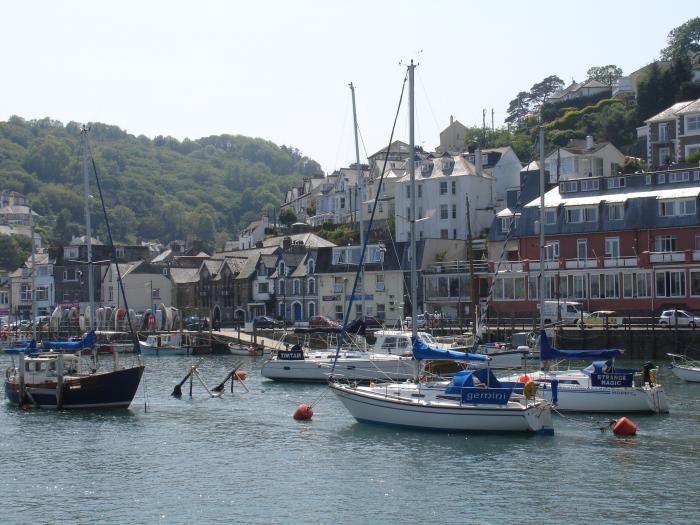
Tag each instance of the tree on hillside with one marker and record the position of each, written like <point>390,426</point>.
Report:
<point>684,38</point>
<point>608,75</point>
<point>287,216</point>
<point>123,222</point>
<point>541,91</point>
<point>14,250</point>
<point>518,109</point>
<point>64,230</point>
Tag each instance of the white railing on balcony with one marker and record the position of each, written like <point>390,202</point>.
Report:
<point>548,265</point>
<point>615,262</point>
<point>696,255</point>
<point>667,257</point>
<point>581,263</point>
<point>508,266</point>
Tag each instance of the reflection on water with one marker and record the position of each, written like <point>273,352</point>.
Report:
<point>242,458</point>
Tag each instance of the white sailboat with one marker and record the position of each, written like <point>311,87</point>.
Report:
<point>684,368</point>
<point>472,401</point>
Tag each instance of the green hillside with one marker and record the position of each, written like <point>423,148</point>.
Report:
<point>155,189</point>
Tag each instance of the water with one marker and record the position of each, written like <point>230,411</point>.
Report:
<point>243,459</point>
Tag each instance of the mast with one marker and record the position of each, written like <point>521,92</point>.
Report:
<point>360,201</point>
<point>472,281</point>
<point>88,229</point>
<point>542,247</point>
<point>412,171</point>
<point>33,295</point>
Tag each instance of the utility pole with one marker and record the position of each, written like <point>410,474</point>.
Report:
<point>360,201</point>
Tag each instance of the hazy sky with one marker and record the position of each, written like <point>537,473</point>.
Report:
<point>279,70</point>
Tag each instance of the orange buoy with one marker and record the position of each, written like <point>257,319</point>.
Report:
<point>240,375</point>
<point>251,350</point>
<point>524,378</point>
<point>624,427</point>
<point>303,413</point>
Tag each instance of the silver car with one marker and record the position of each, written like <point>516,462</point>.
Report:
<point>678,317</point>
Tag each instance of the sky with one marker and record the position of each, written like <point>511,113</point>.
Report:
<point>280,70</point>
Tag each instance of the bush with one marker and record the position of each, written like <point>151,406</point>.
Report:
<point>694,157</point>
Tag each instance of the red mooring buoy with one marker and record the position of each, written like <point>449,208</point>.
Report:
<point>240,375</point>
<point>303,413</point>
<point>624,427</point>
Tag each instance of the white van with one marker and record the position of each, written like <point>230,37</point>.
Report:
<point>568,312</point>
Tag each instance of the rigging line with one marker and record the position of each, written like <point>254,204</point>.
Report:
<point>430,106</point>
<point>113,253</point>
<point>369,226</point>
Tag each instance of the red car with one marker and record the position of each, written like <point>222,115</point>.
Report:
<point>322,321</point>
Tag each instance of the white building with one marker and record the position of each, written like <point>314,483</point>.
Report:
<point>145,286</point>
<point>442,185</point>
<point>583,158</point>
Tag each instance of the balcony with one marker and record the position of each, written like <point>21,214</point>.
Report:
<point>620,262</point>
<point>548,265</point>
<point>665,257</point>
<point>509,266</point>
<point>581,263</point>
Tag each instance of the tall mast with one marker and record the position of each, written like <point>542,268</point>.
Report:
<point>88,229</point>
<point>360,200</point>
<point>412,172</point>
<point>33,294</point>
<point>542,247</point>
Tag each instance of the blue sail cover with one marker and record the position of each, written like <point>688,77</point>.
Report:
<point>88,341</point>
<point>548,352</point>
<point>28,346</point>
<point>423,351</point>
<point>490,392</point>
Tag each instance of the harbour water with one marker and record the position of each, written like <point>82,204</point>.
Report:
<point>243,459</point>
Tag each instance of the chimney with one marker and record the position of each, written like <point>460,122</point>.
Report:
<point>452,119</point>
<point>478,163</point>
<point>286,243</point>
<point>589,142</point>
<point>259,244</point>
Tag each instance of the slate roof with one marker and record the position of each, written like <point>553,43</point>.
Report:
<point>693,107</point>
<point>310,240</point>
<point>184,275</point>
<point>248,267</point>
<point>669,113</point>
<point>162,257</point>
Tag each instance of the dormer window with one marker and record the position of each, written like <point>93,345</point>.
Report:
<point>281,269</point>
<point>447,166</point>
<point>425,169</point>
<point>310,266</point>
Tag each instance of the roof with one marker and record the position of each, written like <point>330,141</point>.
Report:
<point>248,267</point>
<point>309,240</point>
<point>184,275</point>
<point>553,198</point>
<point>162,257</point>
<point>693,107</point>
<point>578,147</point>
<point>668,113</point>
<point>460,167</point>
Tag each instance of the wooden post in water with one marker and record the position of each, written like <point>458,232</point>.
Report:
<point>59,382</point>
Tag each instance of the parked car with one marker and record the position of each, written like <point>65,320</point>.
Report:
<point>678,317</point>
<point>20,324</point>
<point>321,321</point>
<point>195,323</point>
<point>601,318</point>
<point>265,321</point>
<point>420,321</point>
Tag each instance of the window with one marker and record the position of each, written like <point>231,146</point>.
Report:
<point>581,249</point>
<point>576,215</point>
<point>551,250</point>
<point>110,293</point>
<point>616,212</point>
<point>590,185</point>
<point>510,288</point>
<point>454,211</point>
<point>636,285</point>
<point>647,180</point>
<point>665,243</point>
<point>663,132</point>
<point>408,191</point>
<point>379,282</point>
<point>605,286</point>
<point>568,186</point>
<point>155,293</point>
<point>119,252</point>
<point>71,252</point>
<point>342,203</point>
<point>443,187</point>
<point>677,207</point>
<point>679,176</point>
<point>612,247</point>
<point>573,215</point>
<point>444,212</point>
<point>71,274</point>
<point>358,309</point>
<point>444,234</point>
<point>616,182</point>
<point>550,216</point>
<point>670,283</point>
<point>661,177</point>
<point>281,269</point>
<point>311,286</point>
<point>25,292</point>
<point>695,283</point>
<point>310,266</point>
<point>338,285</point>
<point>692,123</point>
<point>697,241</point>
<point>339,312</point>
<point>281,287</point>
<point>420,191</point>
<point>573,286</point>
<point>281,311</point>
<point>312,309</point>
<point>420,212</point>
<point>446,165</point>
<point>505,223</point>
<point>454,187</point>
<point>381,312</point>
<point>296,287</point>
<point>454,233</point>
<point>4,297</point>
<point>591,214</point>
<point>533,287</point>
<point>263,288</point>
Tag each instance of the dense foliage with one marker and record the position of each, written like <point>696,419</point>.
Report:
<point>155,189</point>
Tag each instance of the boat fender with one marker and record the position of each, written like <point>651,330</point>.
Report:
<point>303,413</point>
<point>652,376</point>
<point>624,427</point>
<point>524,378</point>
<point>240,375</point>
<point>530,390</point>
<point>251,350</point>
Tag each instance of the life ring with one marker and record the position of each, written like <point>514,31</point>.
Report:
<point>530,390</point>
